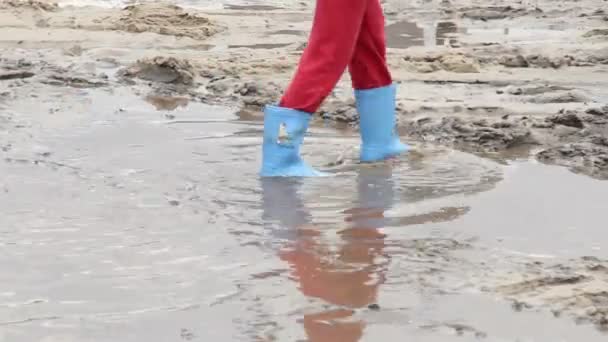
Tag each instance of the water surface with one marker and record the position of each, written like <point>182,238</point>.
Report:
<point>142,218</point>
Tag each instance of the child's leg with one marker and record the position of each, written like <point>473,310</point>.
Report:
<point>368,68</point>
<point>374,91</point>
<point>330,49</point>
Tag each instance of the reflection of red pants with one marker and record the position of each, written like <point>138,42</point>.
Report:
<point>345,33</point>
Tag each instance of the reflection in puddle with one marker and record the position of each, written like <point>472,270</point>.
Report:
<point>166,102</point>
<point>446,33</point>
<point>404,34</point>
<point>345,274</point>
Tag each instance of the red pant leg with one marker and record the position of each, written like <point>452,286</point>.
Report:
<point>368,68</point>
<point>330,49</point>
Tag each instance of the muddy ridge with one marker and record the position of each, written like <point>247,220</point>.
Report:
<point>576,288</point>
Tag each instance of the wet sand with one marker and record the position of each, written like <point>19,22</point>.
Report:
<point>131,208</point>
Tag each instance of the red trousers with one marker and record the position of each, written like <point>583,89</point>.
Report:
<point>345,33</point>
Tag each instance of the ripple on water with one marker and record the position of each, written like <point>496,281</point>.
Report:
<point>425,186</point>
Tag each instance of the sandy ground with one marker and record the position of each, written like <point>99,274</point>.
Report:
<point>516,79</point>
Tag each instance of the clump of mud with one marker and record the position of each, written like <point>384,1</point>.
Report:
<point>341,112</point>
<point>479,135</point>
<point>589,156</point>
<point>226,83</point>
<point>535,60</point>
<point>520,57</point>
<point>561,97</point>
<point>165,19</point>
<point>162,70</point>
<point>451,62</point>
<point>29,4</point>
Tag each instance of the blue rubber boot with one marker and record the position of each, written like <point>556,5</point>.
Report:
<point>284,131</point>
<point>377,123</point>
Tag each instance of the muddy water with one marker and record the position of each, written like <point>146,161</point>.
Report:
<point>142,218</point>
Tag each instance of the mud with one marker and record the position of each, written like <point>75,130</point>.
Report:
<point>142,123</point>
<point>589,156</point>
<point>575,288</point>
<point>29,4</point>
<point>161,69</point>
<point>497,12</point>
<point>597,32</point>
<point>165,19</point>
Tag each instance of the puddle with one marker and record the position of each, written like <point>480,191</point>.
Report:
<point>157,225</point>
<point>404,34</point>
<point>446,33</point>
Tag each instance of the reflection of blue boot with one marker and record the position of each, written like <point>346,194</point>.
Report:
<point>377,123</point>
<point>284,131</point>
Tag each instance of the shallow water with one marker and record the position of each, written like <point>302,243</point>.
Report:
<point>124,222</point>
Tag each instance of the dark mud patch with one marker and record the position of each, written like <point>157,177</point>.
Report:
<point>567,119</point>
<point>496,12</point>
<point>74,81</point>
<point>596,33</point>
<point>161,70</point>
<point>13,75</point>
<point>600,111</point>
<point>29,4</point>
<point>165,19</point>
<point>597,14</point>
